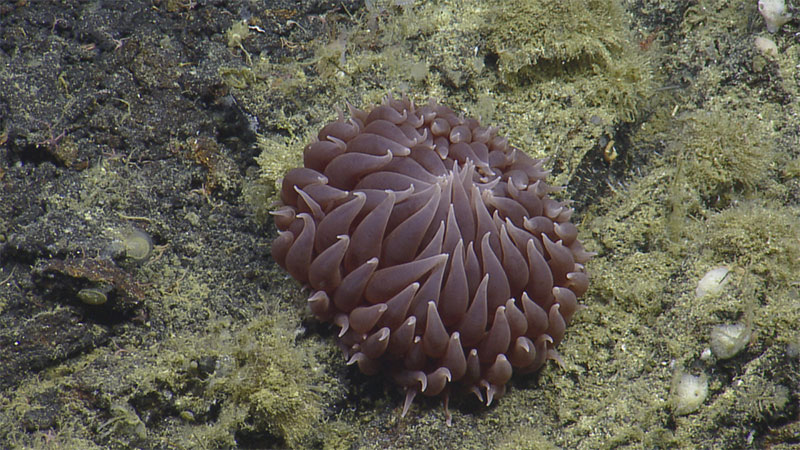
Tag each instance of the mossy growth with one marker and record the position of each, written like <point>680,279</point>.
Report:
<point>764,398</point>
<point>760,236</point>
<point>628,228</point>
<point>278,155</point>
<point>542,99</point>
<point>724,152</point>
<point>524,438</point>
<point>762,394</point>
<point>264,381</point>
<point>234,387</point>
<point>584,43</point>
<point>558,35</point>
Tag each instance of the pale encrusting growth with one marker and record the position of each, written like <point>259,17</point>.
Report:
<point>435,247</point>
<point>775,14</point>
<point>688,393</point>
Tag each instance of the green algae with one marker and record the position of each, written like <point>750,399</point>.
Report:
<point>586,45</point>
<point>234,384</point>
<point>277,154</point>
<point>723,151</point>
<point>525,438</point>
<point>574,68</point>
<point>760,236</point>
<point>239,382</point>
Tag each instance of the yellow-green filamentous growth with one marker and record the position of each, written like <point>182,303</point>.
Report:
<point>583,43</point>
<point>724,152</point>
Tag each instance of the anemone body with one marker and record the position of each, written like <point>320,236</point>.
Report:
<point>433,244</point>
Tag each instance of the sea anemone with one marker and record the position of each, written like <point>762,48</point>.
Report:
<point>434,246</point>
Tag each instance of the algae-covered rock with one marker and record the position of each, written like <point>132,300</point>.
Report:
<point>584,42</point>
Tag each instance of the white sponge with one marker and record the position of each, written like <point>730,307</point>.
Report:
<point>774,13</point>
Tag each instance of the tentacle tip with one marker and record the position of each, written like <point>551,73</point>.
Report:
<point>477,392</point>
<point>410,394</point>
<point>555,356</point>
<point>354,359</point>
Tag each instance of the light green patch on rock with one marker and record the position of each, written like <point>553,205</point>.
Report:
<point>723,150</point>
<point>573,71</point>
<point>760,236</point>
<point>261,380</point>
<point>278,154</point>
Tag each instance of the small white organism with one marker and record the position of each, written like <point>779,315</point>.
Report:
<point>774,13</point>
<point>729,340</point>
<point>688,393</point>
<point>713,282</point>
<point>766,46</point>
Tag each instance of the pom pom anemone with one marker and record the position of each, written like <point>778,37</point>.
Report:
<point>434,246</point>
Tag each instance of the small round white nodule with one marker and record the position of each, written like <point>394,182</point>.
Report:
<point>713,282</point>
<point>774,13</point>
<point>138,244</point>
<point>766,46</point>
<point>688,393</point>
<point>728,340</point>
